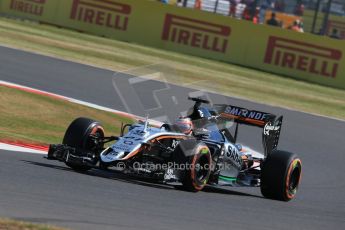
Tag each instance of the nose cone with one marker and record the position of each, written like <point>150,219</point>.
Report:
<point>109,155</point>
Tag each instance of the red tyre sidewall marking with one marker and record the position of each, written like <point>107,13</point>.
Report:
<point>292,166</point>
<point>195,158</point>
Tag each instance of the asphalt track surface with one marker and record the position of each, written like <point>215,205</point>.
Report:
<point>35,189</point>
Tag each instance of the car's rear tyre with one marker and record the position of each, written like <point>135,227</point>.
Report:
<point>194,158</point>
<point>281,175</point>
<point>78,135</point>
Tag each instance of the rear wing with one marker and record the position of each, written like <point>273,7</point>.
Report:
<point>245,116</point>
<point>270,123</point>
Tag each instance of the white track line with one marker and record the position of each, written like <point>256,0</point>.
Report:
<point>15,148</point>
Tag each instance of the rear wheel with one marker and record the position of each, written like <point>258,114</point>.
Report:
<point>195,158</point>
<point>280,176</point>
<point>83,133</point>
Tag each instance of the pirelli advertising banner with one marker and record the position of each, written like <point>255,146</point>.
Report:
<point>301,56</point>
<point>42,10</point>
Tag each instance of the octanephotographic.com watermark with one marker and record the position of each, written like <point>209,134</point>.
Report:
<point>178,166</point>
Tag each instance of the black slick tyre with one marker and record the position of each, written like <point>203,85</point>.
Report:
<point>280,175</point>
<point>78,135</point>
<point>195,157</point>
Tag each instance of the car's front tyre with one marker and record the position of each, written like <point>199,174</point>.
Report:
<point>80,135</point>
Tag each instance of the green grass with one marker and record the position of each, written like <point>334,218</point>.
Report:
<point>186,70</point>
<point>7,224</point>
<point>39,119</point>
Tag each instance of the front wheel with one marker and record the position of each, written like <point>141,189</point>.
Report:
<point>281,175</point>
<point>195,159</point>
<point>83,133</point>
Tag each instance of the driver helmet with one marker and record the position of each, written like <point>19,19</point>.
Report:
<point>184,125</point>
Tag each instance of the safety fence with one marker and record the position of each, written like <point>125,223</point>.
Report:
<point>287,12</point>
<point>302,56</point>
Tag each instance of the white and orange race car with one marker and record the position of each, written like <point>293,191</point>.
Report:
<point>199,150</point>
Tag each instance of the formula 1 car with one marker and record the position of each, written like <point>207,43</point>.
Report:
<point>207,154</point>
